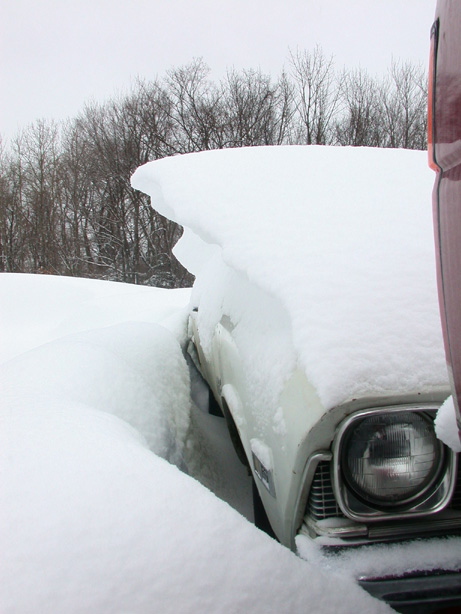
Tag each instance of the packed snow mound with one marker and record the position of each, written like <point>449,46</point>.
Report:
<point>35,309</point>
<point>342,237</point>
<point>135,371</point>
<point>91,520</point>
<point>101,345</point>
<point>446,426</point>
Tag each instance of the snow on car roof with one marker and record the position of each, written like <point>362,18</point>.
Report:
<point>341,236</point>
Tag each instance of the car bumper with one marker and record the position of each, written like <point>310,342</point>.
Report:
<point>429,593</point>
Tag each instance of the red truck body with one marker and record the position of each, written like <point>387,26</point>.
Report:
<point>444,123</point>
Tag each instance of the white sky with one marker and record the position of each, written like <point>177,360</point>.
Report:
<point>57,54</point>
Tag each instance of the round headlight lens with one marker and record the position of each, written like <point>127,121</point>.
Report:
<point>391,458</point>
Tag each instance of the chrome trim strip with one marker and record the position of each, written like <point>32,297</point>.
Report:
<point>345,528</point>
<point>303,494</point>
<point>418,593</point>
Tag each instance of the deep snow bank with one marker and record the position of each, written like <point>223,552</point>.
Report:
<point>35,309</point>
<point>135,371</point>
<point>98,344</point>
<point>342,237</point>
<point>90,519</point>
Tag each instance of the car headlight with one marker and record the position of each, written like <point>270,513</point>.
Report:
<point>391,459</point>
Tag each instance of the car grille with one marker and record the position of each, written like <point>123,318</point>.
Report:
<point>322,503</point>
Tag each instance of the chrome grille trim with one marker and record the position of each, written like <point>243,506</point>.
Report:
<point>321,505</point>
<point>322,502</point>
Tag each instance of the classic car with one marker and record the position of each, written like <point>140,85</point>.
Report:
<point>314,320</point>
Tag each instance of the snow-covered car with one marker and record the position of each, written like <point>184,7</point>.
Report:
<point>314,320</point>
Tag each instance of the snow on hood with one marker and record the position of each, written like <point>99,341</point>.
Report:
<point>341,236</point>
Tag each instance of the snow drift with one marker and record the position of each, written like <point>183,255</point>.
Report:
<point>340,237</point>
<point>90,519</point>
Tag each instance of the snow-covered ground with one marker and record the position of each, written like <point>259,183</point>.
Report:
<point>95,397</point>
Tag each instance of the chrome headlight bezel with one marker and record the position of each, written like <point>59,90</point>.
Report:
<point>431,498</point>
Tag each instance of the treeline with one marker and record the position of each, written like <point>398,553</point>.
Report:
<point>66,202</point>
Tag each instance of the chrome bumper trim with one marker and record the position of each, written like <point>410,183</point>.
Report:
<point>419,594</point>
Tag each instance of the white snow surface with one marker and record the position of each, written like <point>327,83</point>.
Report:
<point>340,238</point>
<point>262,452</point>
<point>446,426</point>
<point>94,389</point>
<point>383,560</point>
<point>36,309</point>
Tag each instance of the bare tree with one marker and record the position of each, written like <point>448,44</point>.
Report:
<point>39,193</point>
<point>12,228</point>
<point>151,106</point>
<point>316,95</point>
<point>359,123</point>
<point>66,204</point>
<point>254,109</point>
<point>403,101</point>
<point>77,203</point>
<point>128,236</point>
<point>196,108</point>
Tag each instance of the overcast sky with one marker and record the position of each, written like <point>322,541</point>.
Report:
<point>57,54</point>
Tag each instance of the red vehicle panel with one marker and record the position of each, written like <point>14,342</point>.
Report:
<point>445,157</point>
